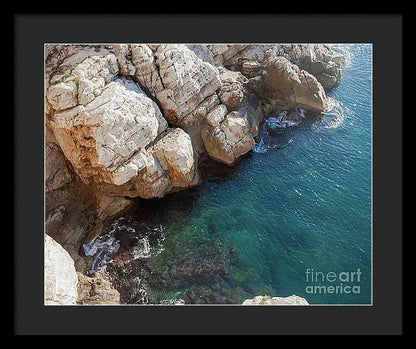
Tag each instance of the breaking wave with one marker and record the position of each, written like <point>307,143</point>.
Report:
<point>332,117</point>
<point>104,248</point>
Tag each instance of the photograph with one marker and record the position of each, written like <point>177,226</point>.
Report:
<point>200,174</point>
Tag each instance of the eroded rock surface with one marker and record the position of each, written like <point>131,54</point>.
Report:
<point>175,154</point>
<point>237,96</point>
<point>183,80</point>
<point>106,124</point>
<point>104,138</point>
<point>70,208</point>
<point>227,137</point>
<point>81,82</point>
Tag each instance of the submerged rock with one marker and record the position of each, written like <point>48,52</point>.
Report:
<point>267,300</point>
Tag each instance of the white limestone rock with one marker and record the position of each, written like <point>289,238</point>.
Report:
<point>176,156</point>
<point>81,82</point>
<point>229,140</point>
<point>61,279</point>
<point>103,139</point>
<point>267,300</point>
<point>176,77</point>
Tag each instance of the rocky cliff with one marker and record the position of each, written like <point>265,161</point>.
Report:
<point>126,121</point>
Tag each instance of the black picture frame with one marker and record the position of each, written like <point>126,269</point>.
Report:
<point>30,34</point>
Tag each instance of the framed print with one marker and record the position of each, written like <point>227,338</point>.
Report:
<point>234,174</point>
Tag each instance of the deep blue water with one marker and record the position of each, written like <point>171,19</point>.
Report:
<point>257,231</point>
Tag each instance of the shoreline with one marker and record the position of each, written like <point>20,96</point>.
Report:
<point>231,115</point>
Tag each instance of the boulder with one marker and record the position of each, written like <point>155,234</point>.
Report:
<point>283,86</point>
<point>267,300</point>
<point>229,138</point>
<point>237,96</point>
<point>105,140</point>
<point>194,122</point>
<point>175,154</point>
<point>60,276</point>
<point>231,92</point>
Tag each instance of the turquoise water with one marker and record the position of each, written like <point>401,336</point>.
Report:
<point>257,228</point>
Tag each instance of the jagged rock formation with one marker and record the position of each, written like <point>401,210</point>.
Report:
<point>317,59</point>
<point>108,106</point>
<point>60,276</point>
<point>267,300</point>
<point>125,121</point>
<point>107,140</point>
<point>320,61</point>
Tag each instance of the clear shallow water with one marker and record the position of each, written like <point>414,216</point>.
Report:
<point>256,229</point>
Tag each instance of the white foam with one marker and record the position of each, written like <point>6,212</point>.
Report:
<point>333,116</point>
